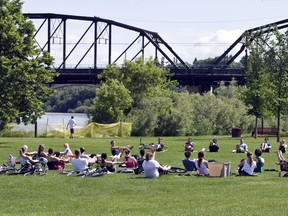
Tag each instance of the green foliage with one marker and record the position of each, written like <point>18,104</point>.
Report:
<point>24,69</point>
<point>257,94</point>
<point>162,116</point>
<point>267,74</point>
<point>124,88</point>
<point>112,100</point>
<point>209,61</point>
<point>76,99</point>
<point>219,113</point>
<point>140,78</point>
<point>277,65</point>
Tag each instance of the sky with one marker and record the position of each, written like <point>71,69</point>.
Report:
<point>193,28</point>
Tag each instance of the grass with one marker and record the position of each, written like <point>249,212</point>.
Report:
<point>129,194</point>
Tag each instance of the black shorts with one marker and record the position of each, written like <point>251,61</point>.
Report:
<point>72,130</point>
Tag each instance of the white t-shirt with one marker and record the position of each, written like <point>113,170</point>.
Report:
<point>150,168</point>
<point>80,164</point>
<point>247,168</point>
<point>71,123</point>
<point>67,152</point>
<point>203,169</point>
<point>23,161</point>
<point>243,147</point>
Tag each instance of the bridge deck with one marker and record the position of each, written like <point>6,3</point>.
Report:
<point>193,76</point>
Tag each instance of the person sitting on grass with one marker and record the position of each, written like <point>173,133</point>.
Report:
<point>247,166</point>
<point>189,145</point>
<point>129,161</point>
<point>259,161</point>
<point>109,165</point>
<point>25,157</point>
<point>151,167</point>
<point>214,147</point>
<point>79,164</point>
<point>266,145</point>
<point>202,165</point>
<point>54,162</point>
<point>41,152</point>
<point>188,163</point>
<point>140,160</point>
<point>281,159</point>
<point>115,149</point>
<point>283,146</point>
<point>241,147</point>
<point>67,151</point>
<point>160,145</point>
<point>92,158</point>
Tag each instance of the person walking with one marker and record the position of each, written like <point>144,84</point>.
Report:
<point>71,124</point>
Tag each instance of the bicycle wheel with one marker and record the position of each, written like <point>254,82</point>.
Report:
<point>177,170</point>
<point>10,172</point>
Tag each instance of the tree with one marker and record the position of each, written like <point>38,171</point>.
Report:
<point>71,99</point>
<point>163,116</point>
<point>24,69</point>
<point>257,94</point>
<point>141,78</point>
<point>267,75</point>
<point>112,99</point>
<point>122,88</point>
<point>277,63</point>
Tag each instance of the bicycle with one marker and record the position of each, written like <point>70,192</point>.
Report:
<point>96,172</point>
<point>38,169</point>
<point>173,170</point>
<point>8,166</point>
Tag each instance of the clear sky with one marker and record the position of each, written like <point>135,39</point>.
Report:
<point>193,28</point>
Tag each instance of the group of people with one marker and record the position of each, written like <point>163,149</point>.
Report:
<point>246,167</point>
<point>145,162</point>
<point>250,165</point>
<point>190,145</point>
<point>55,160</point>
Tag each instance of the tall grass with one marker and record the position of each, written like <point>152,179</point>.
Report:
<point>129,194</point>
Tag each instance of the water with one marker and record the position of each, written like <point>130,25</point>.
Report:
<point>52,121</point>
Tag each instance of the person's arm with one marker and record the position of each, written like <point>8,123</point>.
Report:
<point>43,154</point>
<point>263,161</point>
<point>135,162</point>
<point>65,152</point>
<point>26,157</point>
<point>31,153</point>
<point>241,163</point>
<point>206,164</point>
<point>280,156</point>
<point>152,152</point>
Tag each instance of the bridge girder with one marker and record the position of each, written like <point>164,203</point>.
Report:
<point>103,30</point>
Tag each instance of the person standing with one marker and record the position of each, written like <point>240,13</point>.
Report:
<point>71,123</point>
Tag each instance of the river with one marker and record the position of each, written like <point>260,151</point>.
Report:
<point>53,120</point>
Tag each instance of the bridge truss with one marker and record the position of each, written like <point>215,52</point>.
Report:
<point>81,54</point>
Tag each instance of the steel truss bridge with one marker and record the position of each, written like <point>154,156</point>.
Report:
<point>83,54</point>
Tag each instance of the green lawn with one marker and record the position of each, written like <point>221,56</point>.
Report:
<point>129,194</point>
